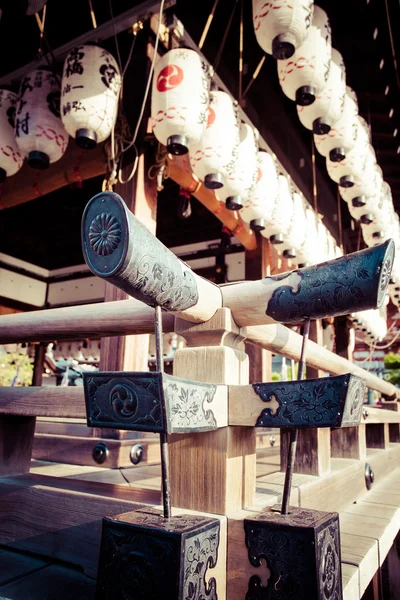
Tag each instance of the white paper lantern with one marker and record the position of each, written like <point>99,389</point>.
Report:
<point>294,237</point>
<point>364,208</point>
<point>342,136</point>
<point>308,253</point>
<point>322,253</point>
<point>261,203</point>
<point>322,114</point>
<point>91,85</point>
<point>281,26</point>
<point>39,132</point>
<point>306,73</point>
<point>278,223</point>
<point>240,184</point>
<point>353,165</point>
<point>366,185</point>
<point>180,98</point>
<point>213,158</point>
<point>11,159</point>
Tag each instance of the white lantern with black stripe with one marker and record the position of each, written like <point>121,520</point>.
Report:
<point>180,98</point>
<point>307,253</point>
<point>261,203</point>
<point>306,73</point>
<point>90,90</point>
<point>281,26</point>
<point>353,165</point>
<point>240,184</point>
<point>323,113</point>
<point>366,185</point>
<point>342,136</point>
<point>11,159</point>
<point>294,237</point>
<point>278,223</point>
<point>364,208</point>
<point>39,132</point>
<point>213,158</point>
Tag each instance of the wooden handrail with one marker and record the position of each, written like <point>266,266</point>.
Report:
<point>129,317</point>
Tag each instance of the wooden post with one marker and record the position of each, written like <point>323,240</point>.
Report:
<point>214,471</point>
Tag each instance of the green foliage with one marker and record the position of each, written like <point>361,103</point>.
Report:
<point>392,361</point>
<point>12,363</point>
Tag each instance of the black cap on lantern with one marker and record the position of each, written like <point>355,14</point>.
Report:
<point>366,219</point>
<point>214,181</point>
<point>178,145</point>
<point>86,139</point>
<point>276,239</point>
<point>305,95</point>
<point>359,201</point>
<point>234,203</point>
<point>289,253</point>
<point>378,235</point>
<point>38,160</point>
<point>3,175</point>
<point>283,46</point>
<point>257,224</point>
<point>346,181</point>
<point>320,126</point>
<point>337,154</point>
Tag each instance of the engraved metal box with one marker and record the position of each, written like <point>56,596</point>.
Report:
<point>325,402</point>
<point>153,402</point>
<point>144,556</point>
<point>302,552</point>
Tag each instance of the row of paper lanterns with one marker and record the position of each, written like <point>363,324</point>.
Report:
<point>36,123</point>
<point>371,324</point>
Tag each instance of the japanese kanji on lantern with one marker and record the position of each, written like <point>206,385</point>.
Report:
<point>91,85</point>
<point>342,136</point>
<point>11,159</point>
<point>240,184</point>
<point>261,203</point>
<point>281,26</point>
<point>180,99</point>
<point>39,132</point>
<point>277,224</point>
<point>213,157</point>
<point>323,113</point>
<point>305,74</point>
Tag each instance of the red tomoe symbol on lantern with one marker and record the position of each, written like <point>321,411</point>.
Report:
<point>210,116</point>
<point>169,78</point>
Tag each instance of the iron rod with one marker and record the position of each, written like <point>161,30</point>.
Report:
<point>293,434</point>
<point>166,490</point>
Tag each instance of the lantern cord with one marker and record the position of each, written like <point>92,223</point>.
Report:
<point>93,16</point>
<point>208,25</point>
<point>41,22</point>
<point>396,70</point>
<point>222,45</point>
<point>240,53</point>
<point>339,214</point>
<point>146,94</point>
<point>254,76</point>
<point>314,176</point>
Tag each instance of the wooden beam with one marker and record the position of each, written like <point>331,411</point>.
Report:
<point>75,166</point>
<point>67,402</point>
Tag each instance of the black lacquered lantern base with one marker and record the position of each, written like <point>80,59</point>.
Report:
<point>321,126</point>
<point>359,201</point>
<point>289,253</point>
<point>367,219</point>
<point>257,224</point>
<point>3,175</point>
<point>38,160</point>
<point>86,139</point>
<point>305,95</point>
<point>283,46</point>
<point>214,181</point>
<point>178,145</point>
<point>145,556</point>
<point>337,154</point>
<point>302,552</point>
<point>346,181</point>
<point>276,239</point>
<point>234,203</point>
<point>378,235</point>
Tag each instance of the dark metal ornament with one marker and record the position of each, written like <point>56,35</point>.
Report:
<point>118,248</point>
<point>302,552</point>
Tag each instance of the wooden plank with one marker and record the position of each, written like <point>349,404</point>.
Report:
<point>349,442</point>
<point>361,552</point>
<point>53,581</point>
<point>350,582</point>
<point>78,450</point>
<point>44,401</point>
<point>375,528</point>
<point>313,455</point>
<point>16,439</point>
<point>64,525</point>
<point>377,435</point>
<point>15,565</point>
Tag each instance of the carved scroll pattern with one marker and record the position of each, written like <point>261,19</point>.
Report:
<point>330,576</point>
<point>186,406</point>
